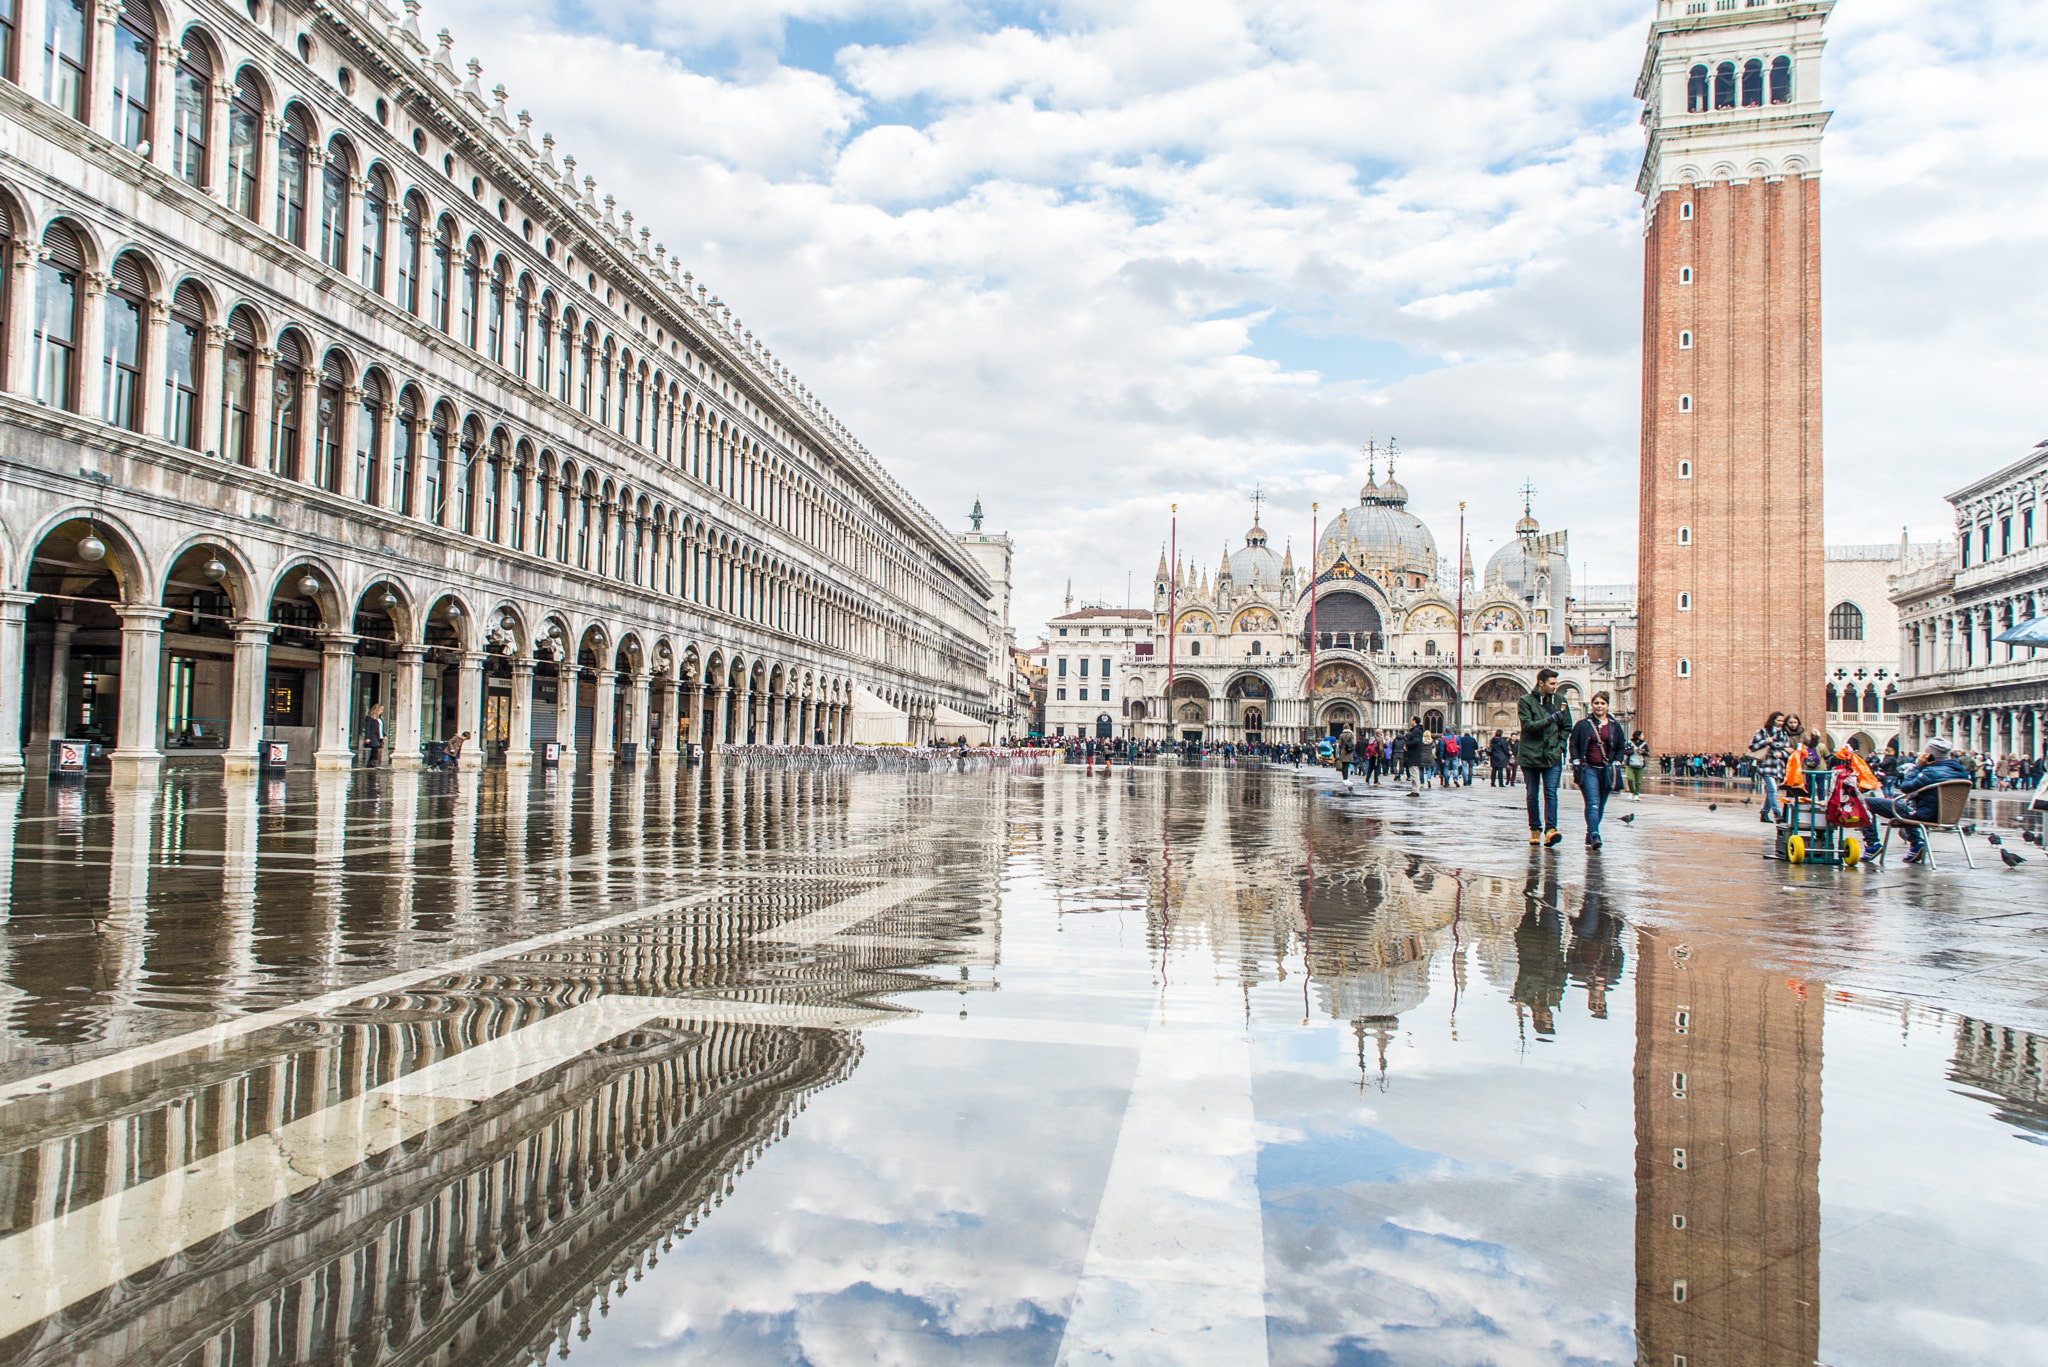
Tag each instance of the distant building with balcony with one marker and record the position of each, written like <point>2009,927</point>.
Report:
<point>1088,652</point>
<point>1956,680</point>
<point>1863,632</point>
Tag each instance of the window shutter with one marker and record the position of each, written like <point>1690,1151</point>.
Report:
<point>288,352</point>
<point>189,302</point>
<point>334,372</point>
<point>62,245</point>
<point>198,59</point>
<point>137,18</point>
<point>128,276</point>
<point>242,328</point>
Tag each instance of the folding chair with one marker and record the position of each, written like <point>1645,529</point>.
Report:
<point>1955,800</point>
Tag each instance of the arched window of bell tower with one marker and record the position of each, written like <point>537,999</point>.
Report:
<point>1696,91</point>
<point>1724,86</point>
<point>1781,80</point>
<point>1752,83</point>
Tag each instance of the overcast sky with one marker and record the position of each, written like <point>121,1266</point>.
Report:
<point>1086,260</point>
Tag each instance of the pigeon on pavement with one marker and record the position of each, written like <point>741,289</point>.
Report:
<point>2012,861</point>
<point>1628,817</point>
<point>1994,840</point>
<point>1713,806</point>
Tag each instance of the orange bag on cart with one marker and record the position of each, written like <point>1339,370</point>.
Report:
<point>1795,774</point>
<point>1865,779</point>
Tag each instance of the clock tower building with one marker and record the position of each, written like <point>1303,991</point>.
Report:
<point>1731,602</point>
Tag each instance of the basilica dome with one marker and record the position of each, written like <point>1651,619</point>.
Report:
<point>1380,533</point>
<point>1256,565</point>
<point>1516,569</point>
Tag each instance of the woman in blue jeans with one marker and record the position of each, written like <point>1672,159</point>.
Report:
<point>1596,745</point>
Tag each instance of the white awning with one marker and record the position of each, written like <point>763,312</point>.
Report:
<point>876,722</point>
<point>949,726</point>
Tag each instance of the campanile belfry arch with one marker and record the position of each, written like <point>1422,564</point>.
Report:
<point>1730,557</point>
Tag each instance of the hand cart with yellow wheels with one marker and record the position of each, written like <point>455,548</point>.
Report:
<point>1806,836</point>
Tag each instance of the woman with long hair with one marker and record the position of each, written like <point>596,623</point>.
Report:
<point>1768,749</point>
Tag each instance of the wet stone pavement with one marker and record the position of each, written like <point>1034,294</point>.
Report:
<point>775,1065</point>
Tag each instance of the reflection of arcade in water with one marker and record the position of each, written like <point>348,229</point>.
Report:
<point>527,1199</point>
<point>488,1235</point>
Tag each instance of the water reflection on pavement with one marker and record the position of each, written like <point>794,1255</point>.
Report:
<point>775,1065</point>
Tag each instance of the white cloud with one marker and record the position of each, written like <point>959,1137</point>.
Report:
<point>1000,252</point>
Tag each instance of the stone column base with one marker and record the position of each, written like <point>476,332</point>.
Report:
<point>132,768</point>
<point>469,761</point>
<point>334,759</point>
<point>409,763</point>
<point>519,759</point>
<point>232,762</point>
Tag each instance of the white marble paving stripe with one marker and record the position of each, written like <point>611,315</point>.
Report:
<point>1014,1030</point>
<point>844,915</point>
<point>1176,1268</point>
<point>213,1036</point>
<point>84,1251</point>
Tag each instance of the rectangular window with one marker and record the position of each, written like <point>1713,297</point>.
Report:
<point>1060,694</point>
<point>2005,536</point>
<point>1084,695</point>
<point>1084,666</point>
<point>56,316</point>
<point>1987,543</point>
<point>1105,666</point>
<point>238,370</point>
<point>181,383</point>
<point>64,56</point>
<point>123,372</point>
<point>134,66</point>
<point>369,458</point>
<point>1063,666</point>
<point>2026,529</point>
<point>189,99</point>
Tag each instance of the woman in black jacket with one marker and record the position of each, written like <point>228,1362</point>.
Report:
<point>1500,760</point>
<point>1596,748</point>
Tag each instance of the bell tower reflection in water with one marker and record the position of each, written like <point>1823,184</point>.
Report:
<point>1727,1095</point>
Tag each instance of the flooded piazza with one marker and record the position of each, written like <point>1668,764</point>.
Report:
<point>773,1064</point>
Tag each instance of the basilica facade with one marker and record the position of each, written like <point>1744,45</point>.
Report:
<point>1369,636</point>
<point>328,386</point>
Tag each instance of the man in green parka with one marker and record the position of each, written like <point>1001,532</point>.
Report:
<point>1546,731</point>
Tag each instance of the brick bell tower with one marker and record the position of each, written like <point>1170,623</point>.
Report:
<point>1731,602</point>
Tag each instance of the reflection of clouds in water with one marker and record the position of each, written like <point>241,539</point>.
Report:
<point>1346,1282</point>
<point>900,1223</point>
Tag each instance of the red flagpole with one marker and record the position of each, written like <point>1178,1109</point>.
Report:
<point>1172,598</point>
<point>1460,572</point>
<point>1313,526</point>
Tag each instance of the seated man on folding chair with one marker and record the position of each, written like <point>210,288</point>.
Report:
<point>1917,800</point>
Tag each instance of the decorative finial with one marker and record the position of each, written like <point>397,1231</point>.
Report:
<point>1258,500</point>
<point>975,516</point>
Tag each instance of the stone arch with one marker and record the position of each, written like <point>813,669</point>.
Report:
<point>508,619</point>
<point>448,615</point>
<point>124,558</point>
<point>306,596</point>
<point>206,565</point>
<point>401,612</point>
<point>153,273</point>
<point>1433,688</point>
<point>92,246</point>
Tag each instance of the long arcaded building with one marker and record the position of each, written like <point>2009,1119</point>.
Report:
<point>328,387</point>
